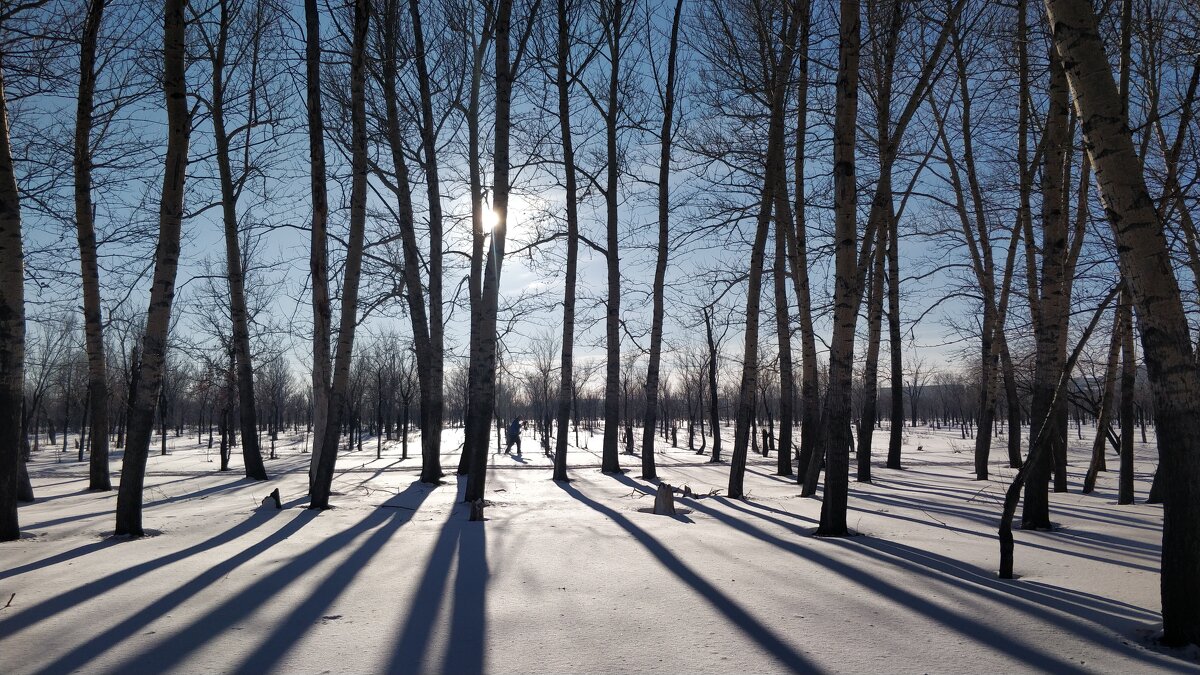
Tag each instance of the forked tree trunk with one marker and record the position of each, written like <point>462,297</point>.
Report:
<point>89,266</point>
<point>339,391</point>
<point>318,259</point>
<point>162,290</point>
<point>660,266</point>
<point>12,332</point>
<point>1146,267</point>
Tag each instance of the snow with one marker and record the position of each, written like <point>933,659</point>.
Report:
<point>578,577</point>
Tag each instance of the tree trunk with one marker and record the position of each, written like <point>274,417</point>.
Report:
<point>338,394</point>
<point>1050,324</point>
<point>566,377</point>
<point>835,426</point>
<point>660,267</point>
<point>1103,415</point>
<point>866,422</point>
<point>714,409</point>
<point>1128,391</point>
<point>235,275</point>
<point>162,291</point>
<point>1146,267</point>
<point>318,259</point>
<point>610,463</point>
<point>432,407</point>
<point>89,267</point>
<point>12,332</point>
<point>481,403</point>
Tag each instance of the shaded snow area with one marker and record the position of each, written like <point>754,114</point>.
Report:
<point>577,577</point>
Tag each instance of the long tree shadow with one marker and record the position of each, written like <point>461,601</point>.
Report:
<point>294,627</point>
<point>17,622</point>
<point>112,637</point>
<point>170,652</point>
<point>468,621</point>
<point>1073,612</point>
<point>77,552</point>
<point>739,617</point>
<point>195,494</point>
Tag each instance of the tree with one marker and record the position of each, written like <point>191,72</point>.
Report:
<point>166,260</point>
<point>98,478</point>
<point>228,51</point>
<point>318,260</point>
<point>339,386</point>
<point>834,436</point>
<point>562,82</point>
<point>1145,265</point>
<point>12,330</point>
<point>649,471</point>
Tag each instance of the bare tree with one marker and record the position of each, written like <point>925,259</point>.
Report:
<point>166,260</point>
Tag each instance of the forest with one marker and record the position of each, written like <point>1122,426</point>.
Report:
<point>341,247</point>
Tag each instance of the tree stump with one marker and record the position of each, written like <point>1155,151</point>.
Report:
<point>664,501</point>
<point>273,497</point>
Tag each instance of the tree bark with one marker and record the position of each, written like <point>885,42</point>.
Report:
<point>162,290</point>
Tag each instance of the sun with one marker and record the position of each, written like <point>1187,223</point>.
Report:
<point>490,220</point>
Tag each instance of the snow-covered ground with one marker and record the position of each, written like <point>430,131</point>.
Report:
<point>579,577</point>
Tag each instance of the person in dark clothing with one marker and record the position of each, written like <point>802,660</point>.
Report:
<point>514,435</point>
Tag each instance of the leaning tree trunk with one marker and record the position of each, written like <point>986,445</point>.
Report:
<point>318,259</point>
<point>162,290</point>
<point>660,266</point>
<point>1146,267</point>
<point>89,266</point>
<point>12,331</point>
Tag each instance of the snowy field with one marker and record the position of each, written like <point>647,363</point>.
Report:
<point>579,577</point>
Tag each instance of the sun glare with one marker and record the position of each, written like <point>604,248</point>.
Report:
<point>489,220</point>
